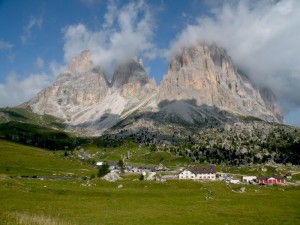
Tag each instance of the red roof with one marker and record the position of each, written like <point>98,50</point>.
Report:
<point>268,177</point>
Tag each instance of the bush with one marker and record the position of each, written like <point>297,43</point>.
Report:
<point>142,177</point>
<point>92,176</point>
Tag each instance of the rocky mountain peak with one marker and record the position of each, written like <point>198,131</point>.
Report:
<point>201,88</point>
<point>130,72</point>
<point>81,63</point>
<point>205,74</point>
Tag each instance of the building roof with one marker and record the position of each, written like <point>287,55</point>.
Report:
<point>268,177</point>
<point>202,169</point>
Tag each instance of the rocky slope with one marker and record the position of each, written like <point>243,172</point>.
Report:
<point>201,88</point>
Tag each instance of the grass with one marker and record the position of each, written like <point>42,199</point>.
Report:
<point>94,202</point>
<point>134,154</point>
<point>22,218</point>
<point>141,202</point>
<point>16,159</point>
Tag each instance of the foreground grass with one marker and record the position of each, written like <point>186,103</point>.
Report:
<point>94,202</point>
<point>140,202</point>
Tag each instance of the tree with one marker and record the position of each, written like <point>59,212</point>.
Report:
<point>103,170</point>
<point>121,165</point>
<point>141,177</point>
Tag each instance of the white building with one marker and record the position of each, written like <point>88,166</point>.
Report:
<point>247,179</point>
<point>198,173</point>
<point>99,164</point>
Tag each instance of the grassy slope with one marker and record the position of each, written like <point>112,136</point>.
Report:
<point>26,115</point>
<point>16,159</point>
<point>137,155</point>
<point>138,202</point>
<point>23,126</point>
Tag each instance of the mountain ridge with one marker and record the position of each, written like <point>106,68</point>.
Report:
<point>199,78</point>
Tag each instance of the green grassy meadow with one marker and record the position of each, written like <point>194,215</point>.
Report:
<point>97,202</point>
<point>21,160</point>
<point>134,154</point>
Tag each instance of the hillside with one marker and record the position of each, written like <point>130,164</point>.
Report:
<point>21,160</point>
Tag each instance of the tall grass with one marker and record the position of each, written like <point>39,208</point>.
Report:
<point>27,219</point>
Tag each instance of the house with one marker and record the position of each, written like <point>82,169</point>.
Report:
<point>233,181</point>
<point>112,165</point>
<point>248,179</point>
<point>99,164</point>
<point>271,180</point>
<point>139,170</point>
<point>198,173</point>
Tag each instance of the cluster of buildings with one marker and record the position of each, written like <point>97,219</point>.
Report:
<point>208,173</point>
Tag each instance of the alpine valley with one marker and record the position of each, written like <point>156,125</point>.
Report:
<point>204,109</point>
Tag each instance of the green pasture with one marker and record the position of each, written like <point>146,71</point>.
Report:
<point>141,202</point>
<point>134,154</point>
<point>21,160</point>
<point>42,201</point>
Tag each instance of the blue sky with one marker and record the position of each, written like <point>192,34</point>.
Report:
<point>38,38</point>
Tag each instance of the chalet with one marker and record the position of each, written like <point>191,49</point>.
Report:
<point>99,164</point>
<point>198,173</point>
<point>248,179</point>
<point>271,180</point>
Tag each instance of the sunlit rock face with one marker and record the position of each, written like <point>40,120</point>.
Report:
<point>206,74</point>
<point>83,97</point>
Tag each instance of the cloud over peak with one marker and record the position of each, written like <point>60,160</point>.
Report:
<point>127,31</point>
<point>261,38</point>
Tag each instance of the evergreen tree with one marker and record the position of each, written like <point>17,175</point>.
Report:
<point>121,165</point>
<point>103,170</point>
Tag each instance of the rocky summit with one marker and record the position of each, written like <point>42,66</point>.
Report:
<point>201,88</point>
<point>205,74</point>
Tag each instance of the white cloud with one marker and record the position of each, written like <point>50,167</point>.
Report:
<point>33,22</point>
<point>39,63</point>
<point>56,68</point>
<point>126,32</point>
<point>262,37</point>
<point>110,15</point>
<point>90,2</point>
<point>5,45</point>
<point>18,90</point>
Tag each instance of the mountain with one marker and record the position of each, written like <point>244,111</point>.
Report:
<point>201,88</point>
<point>206,74</point>
<point>84,98</point>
